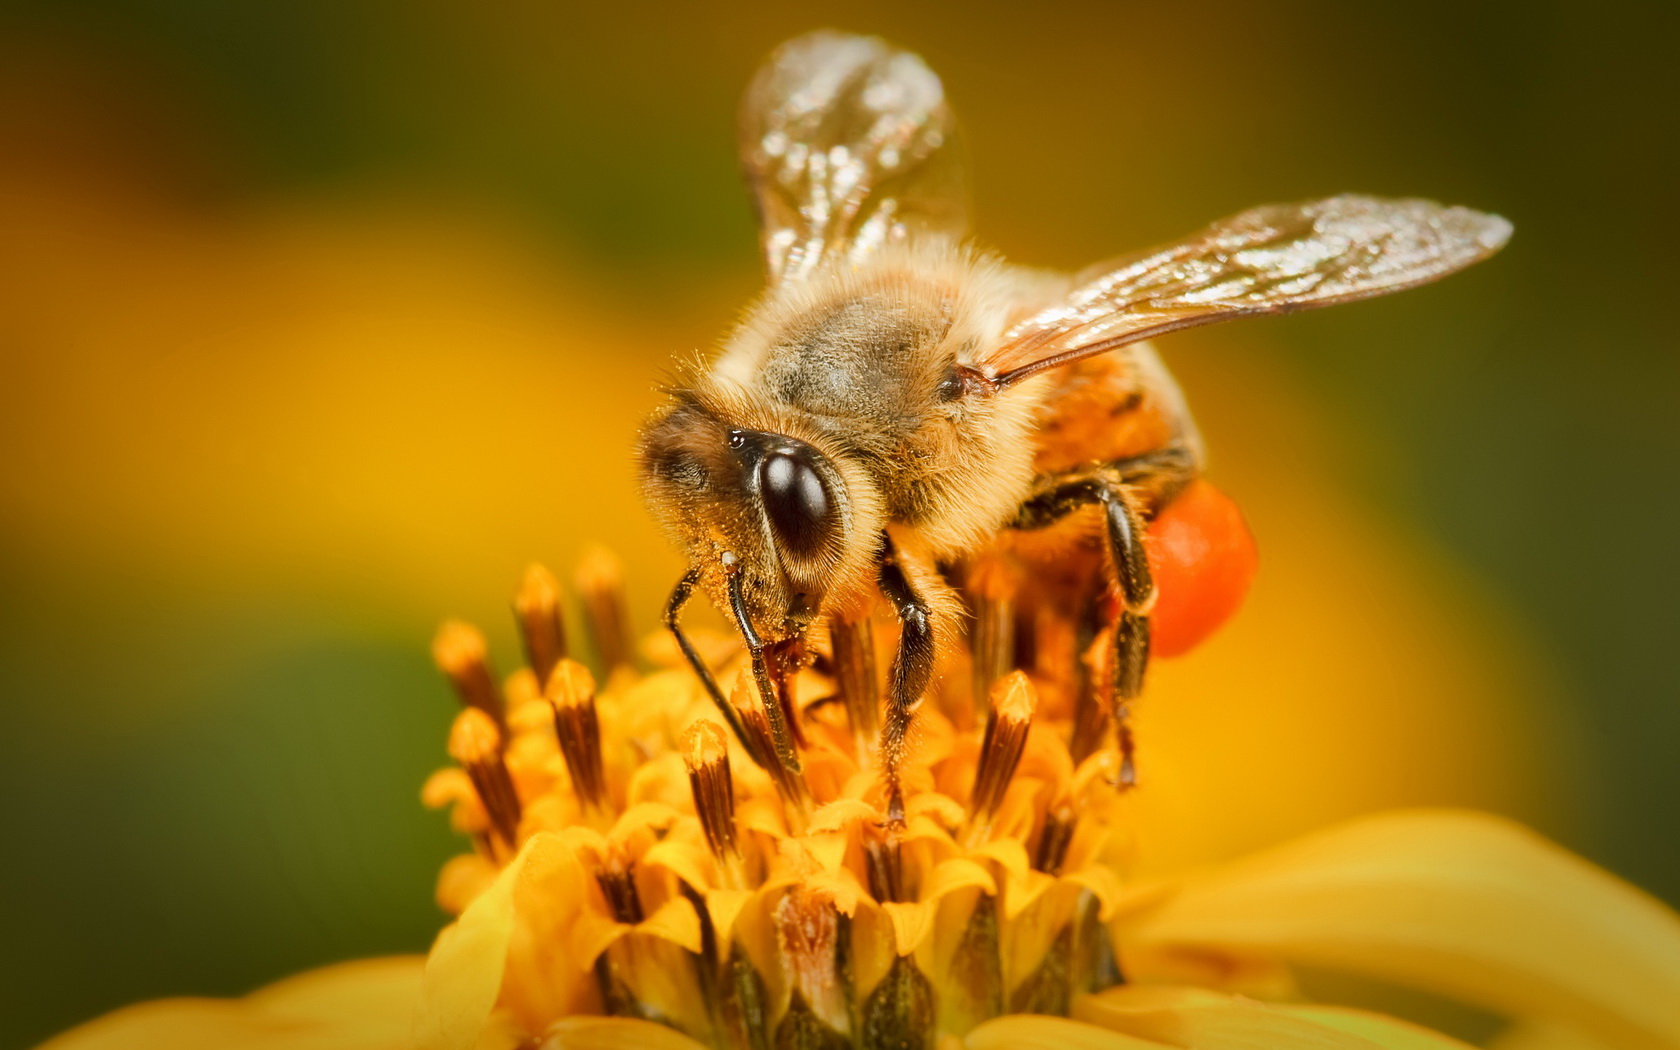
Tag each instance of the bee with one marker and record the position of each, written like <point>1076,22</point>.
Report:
<point>897,400</point>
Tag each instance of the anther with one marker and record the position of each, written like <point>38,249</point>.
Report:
<point>884,862</point>
<point>992,586</point>
<point>600,583</point>
<point>1055,838</point>
<point>1012,702</point>
<point>706,754</point>
<point>616,876</point>
<point>857,682</point>
<point>460,652</point>
<point>542,624</point>
<point>790,785</point>
<point>571,691</point>
<point>476,743</point>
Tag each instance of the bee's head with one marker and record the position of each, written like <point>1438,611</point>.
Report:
<point>795,522</point>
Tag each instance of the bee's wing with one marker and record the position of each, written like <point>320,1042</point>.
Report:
<point>846,145</point>
<point>1271,259</point>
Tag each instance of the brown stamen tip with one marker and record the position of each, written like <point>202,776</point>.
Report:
<point>790,785</point>
<point>1053,841</point>
<point>706,753</point>
<point>476,743</point>
<point>884,861</point>
<point>992,585</point>
<point>577,728</point>
<point>600,583</point>
<point>460,652</point>
<point>857,681</point>
<point>617,878</point>
<point>542,624</point>
<point>1013,700</point>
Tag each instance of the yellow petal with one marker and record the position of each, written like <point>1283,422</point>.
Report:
<point>724,906</point>
<point>463,976</point>
<point>366,1005</point>
<point>1383,1031</point>
<point>613,1033</point>
<point>1203,1020</point>
<point>1544,1037</point>
<point>956,874</point>
<point>1468,905</point>
<point>462,879</point>
<point>1032,1032</point>
<point>688,861</point>
<point>840,887</point>
<point>1022,885</point>
<point>369,992</point>
<point>674,921</point>
<point>911,920</point>
<point>841,814</point>
<point>827,849</point>
<point>464,969</point>
<point>642,815</point>
<point>1104,885</point>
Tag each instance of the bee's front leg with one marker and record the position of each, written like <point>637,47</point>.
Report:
<point>912,667</point>
<point>1121,489</point>
<point>673,617</point>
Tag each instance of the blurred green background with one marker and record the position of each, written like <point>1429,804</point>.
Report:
<point>320,319</point>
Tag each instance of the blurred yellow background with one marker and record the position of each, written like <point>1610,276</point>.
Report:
<point>320,320</point>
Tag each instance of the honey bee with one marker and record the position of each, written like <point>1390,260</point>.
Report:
<point>897,399</point>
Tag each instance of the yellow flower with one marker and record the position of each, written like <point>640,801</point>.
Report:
<point>636,879</point>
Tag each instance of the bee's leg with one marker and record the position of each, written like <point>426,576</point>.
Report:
<point>780,741</point>
<point>673,611</point>
<point>1121,489</point>
<point>912,666</point>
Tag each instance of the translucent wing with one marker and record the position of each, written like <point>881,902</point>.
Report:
<point>1271,259</point>
<point>845,141</point>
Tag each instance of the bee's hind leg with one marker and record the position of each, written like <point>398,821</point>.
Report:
<point>912,667</point>
<point>1124,490</point>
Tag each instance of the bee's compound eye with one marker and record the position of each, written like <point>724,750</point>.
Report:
<point>798,505</point>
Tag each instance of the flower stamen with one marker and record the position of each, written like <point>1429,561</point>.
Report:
<point>542,623</point>
<point>577,729</point>
<point>706,754</point>
<point>460,653</point>
<point>476,743</point>
<point>606,615</point>
<point>992,586</point>
<point>1012,702</point>
<point>791,788</point>
<point>856,681</point>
